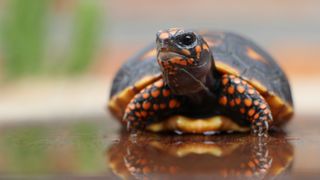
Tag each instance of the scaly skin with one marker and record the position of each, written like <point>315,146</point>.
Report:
<point>237,97</point>
<point>153,101</point>
<point>240,97</point>
<point>200,68</point>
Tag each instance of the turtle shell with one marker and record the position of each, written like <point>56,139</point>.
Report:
<point>233,54</point>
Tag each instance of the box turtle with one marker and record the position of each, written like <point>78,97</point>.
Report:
<point>201,82</point>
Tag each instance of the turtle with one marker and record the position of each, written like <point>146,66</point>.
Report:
<point>201,81</point>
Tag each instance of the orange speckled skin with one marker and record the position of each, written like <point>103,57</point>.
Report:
<point>241,98</point>
<point>236,96</point>
<point>204,74</point>
<point>154,100</point>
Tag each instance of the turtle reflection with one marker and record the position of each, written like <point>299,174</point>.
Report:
<point>159,156</point>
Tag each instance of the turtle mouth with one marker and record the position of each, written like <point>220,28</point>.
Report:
<point>165,55</point>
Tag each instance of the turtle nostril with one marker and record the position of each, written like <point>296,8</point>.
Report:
<point>163,35</point>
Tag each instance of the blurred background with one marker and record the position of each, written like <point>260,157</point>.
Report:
<point>58,58</point>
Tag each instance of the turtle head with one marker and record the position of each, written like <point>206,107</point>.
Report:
<point>185,60</point>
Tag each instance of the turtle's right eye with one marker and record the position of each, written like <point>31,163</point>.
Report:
<point>186,39</point>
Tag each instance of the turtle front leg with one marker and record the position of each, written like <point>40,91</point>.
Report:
<point>240,97</point>
<point>151,102</point>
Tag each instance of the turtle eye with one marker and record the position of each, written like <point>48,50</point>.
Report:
<point>186,39</point>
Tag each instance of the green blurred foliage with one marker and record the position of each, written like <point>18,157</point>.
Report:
<point>24,31</point>
<point>87,147</point>
<point>23,151</point>
<point>51,149</point>
<point>85,35</point>
<point>23,36</point>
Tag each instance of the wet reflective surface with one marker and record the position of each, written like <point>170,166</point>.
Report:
<point>152,156</point>
<point>98,149</point>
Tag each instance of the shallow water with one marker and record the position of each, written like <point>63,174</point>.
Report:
<point>180,157</point>
<point>98,149</point>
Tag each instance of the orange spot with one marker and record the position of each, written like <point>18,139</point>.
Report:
<point>146,105</point>
<point>223,100</point>
<point>225,81</point>
<point>251,91</point>
<point>155,93</point>
<point>146,170</point>
<point>159,83</point>
<point>255,56</point>
<point>248,102</point>
<point>263,106</point>
<point>172,103</point>
<point>165,92</point>
<point>231,103</point>
<point>244,82</point>
<point>156,107</point>
<point>131,106</point>
<point>237,80</point>
<point>138,105</point>
<point>178,60</point>
<point>183,62</point>
<point>266,111</point>
<point>242,110</point>
<point>137,114</point>
<point>256,116</point>
<point>145,95</point>
<point>240,89</point>
<point>186,52</point>
<point>144,113</point>
<point>163,106</point>
<point>238,101</point>
<point>175,59</point>
<point>164,35</point>
<point>198,49</point>
<point>190,61</point>
<point>251,112</point>
<point>231,90</point>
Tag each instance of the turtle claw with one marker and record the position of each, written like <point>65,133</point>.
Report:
<point>129,127</point>
<point>132,127</point>
<point>260,128</point>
